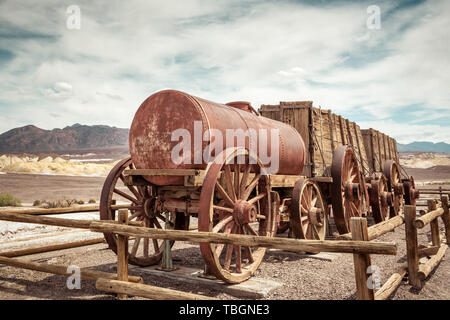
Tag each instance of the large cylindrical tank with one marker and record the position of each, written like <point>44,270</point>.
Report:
<point>168,111</point>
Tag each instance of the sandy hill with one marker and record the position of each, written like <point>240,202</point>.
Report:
<point>77,137</point>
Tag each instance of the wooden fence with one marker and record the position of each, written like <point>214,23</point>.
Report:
<point>358,243</point>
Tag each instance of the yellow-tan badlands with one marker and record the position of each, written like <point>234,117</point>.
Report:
<point>53,166</point>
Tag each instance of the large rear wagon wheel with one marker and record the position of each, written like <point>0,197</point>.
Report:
<point>235,199</point>
<point>346,193</point>
<point>143,206</point>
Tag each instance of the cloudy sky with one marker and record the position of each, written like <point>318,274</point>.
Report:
<point>394,78</point>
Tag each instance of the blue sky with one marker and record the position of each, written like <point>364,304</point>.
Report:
<point>394,79</point>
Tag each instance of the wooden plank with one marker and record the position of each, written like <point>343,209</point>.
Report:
<point>52,247</point>
<point>428,218</point>
<point>368,146</point>
<point>389,248</point>
<point>162,172</point>
<point>412,251</point>
<point>61,222</point>
<point>361,261</point>
<point>362,150</point>
<point>379,229</point>
<point>425,269</point>
<point>323,179</point>
<point>286,181</point>
<point>122,252</point>
<point>343,129</point>
<point>434,225</point>
<point>391,284</point>
<point>61,269</point>
<point>446,218</point>
<point>428,251</point>
<point>146,291</point>
<point>332,129</point>
<point>349,132</point>
<point>54,211</point>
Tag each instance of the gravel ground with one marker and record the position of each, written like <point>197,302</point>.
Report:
<point>303,277</point>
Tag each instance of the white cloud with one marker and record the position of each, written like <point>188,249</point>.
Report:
<point>262,52</point>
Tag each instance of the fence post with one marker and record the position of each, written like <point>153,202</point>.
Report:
<point>412,251</point>
<point>435,237</point>
<point>358,227</point>
<point>122,252</point>
<point>446,217</point>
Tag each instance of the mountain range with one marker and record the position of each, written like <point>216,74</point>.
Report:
<point>424,146</point>
<point>30,138</point>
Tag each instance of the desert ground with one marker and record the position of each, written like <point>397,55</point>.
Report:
<point>301,276</point>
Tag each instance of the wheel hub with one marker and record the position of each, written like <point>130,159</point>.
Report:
<point>149,207</point>
<point>386,198</point>
<point>316,216</point>
<point>398,189</point>
<point>244,212</point>
<point>352,190</point>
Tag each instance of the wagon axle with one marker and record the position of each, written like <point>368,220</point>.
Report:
<point>244,212</point>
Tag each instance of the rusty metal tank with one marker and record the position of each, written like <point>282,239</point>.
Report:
<point>164,112</point>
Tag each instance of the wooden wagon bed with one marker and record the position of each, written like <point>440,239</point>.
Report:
<point>323,131</point>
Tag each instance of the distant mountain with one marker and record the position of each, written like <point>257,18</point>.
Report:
<point>424,146</point>
<point>33,139</point>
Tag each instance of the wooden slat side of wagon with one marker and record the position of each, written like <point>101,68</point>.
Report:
<point>379,148</point>
<point>322,132</point>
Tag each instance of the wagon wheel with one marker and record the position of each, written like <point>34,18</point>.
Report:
<point>379,198</point>
<point>392,172</point>
<point>308,211</point>
<point>237,203</point>
<point>411,193</point>
<point>143,207</point>
<point>346,193</point>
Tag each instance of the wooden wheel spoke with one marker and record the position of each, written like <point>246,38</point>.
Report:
<point>228,254</point>
<point>257,198</point>
<point>162,218</point>
<point>244,179</point>
<point>126,196</point>
<point>223,209</point>
<point>227,229</point>
<point>224,194</point>
<point>135,246</point>
<point>219,226</point>
<point>157,224</point>
<point>314,201</point>
<point>146,247</point>
<point>304,201</point>
<point>237,252</point>
<point>135,215</point>
<point>251,187</point>
<point>131,188</point>
<point>250,229</point>
<point>156,245</point>
<point>354,209</point>
<point>237,170</point>
<point>249,253</point>
<point>315,232</point>
<point>229,182</point>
